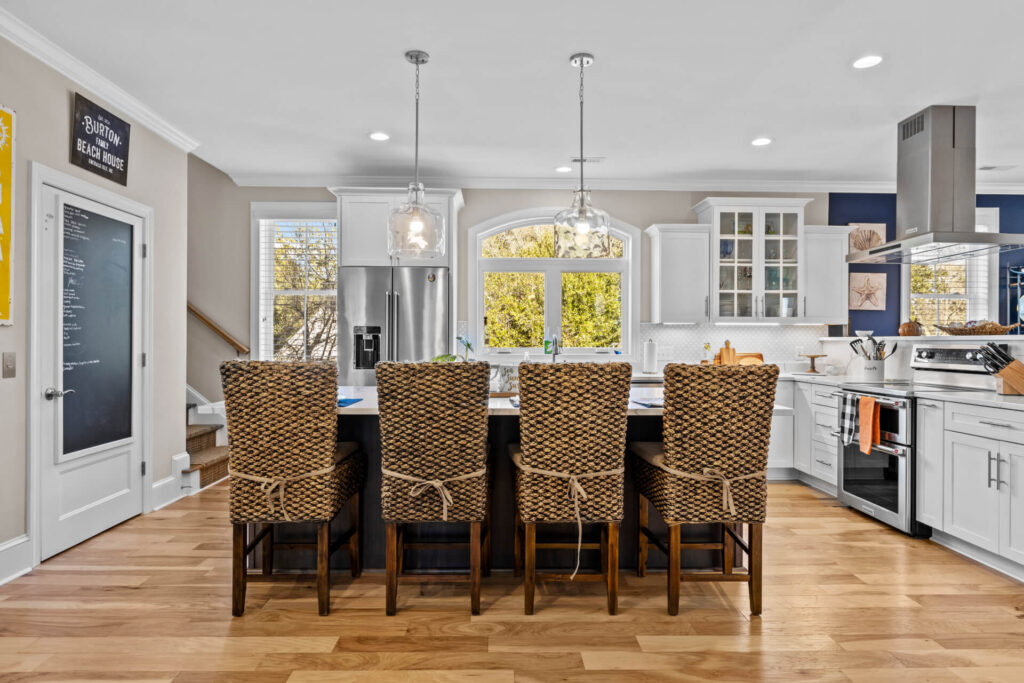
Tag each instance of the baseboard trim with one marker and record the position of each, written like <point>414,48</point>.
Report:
<point>819,484</point>
<point>782,474</point>
<point>980,555</point>
<point>15,558</point>
<point>169,489</point>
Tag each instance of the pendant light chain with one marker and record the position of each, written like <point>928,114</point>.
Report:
<point>581,124</point>
<point>417,153</point>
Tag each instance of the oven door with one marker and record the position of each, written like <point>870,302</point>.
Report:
<point>876,483</point>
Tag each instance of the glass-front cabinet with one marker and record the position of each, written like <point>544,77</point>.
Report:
<point>757,255</point>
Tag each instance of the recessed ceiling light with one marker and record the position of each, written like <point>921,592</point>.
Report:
<point>867,61</point>
<point>563,169</point>
<point>379,136</point>
<point>761,142</point>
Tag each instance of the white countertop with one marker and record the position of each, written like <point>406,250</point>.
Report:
<point>978,398</point>
<point>503,406</point>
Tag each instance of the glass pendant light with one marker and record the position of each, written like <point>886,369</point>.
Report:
<point>582,218</point>
<point>415,230</point>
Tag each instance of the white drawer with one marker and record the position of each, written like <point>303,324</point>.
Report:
<point>824,422</point>
<point>825,396</point>
<point>823,461</point>
<point>993,423</point>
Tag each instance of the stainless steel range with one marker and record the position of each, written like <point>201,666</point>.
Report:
<point>880,483</point>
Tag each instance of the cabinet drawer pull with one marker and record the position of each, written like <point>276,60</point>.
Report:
<point>928,405</point>
<point>823,426</point>
<point>1007,425</point>
<point>822,462</point>
<point>999,470</point>
<point>989,485</point>
<point>835,434</point>
<point>834,394</point>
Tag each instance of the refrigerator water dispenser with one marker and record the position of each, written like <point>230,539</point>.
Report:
<point>366,342</point>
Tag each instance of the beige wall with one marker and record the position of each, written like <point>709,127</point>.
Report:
<point>156,177</point>
<point>218,264</point>
<point>639,209</point>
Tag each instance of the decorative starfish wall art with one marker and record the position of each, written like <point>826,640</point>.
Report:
<point>867,291</point>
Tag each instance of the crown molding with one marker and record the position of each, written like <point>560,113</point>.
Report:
<point>42,48</point>
<point>669,185</point>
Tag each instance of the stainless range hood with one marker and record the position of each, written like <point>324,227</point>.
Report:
<point>935,193</point>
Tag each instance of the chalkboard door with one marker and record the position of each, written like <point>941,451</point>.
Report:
<point>92,400</point>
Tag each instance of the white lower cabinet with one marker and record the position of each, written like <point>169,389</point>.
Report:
<point>971,505</point>
<point>823,461</point>
<point>780,446</point>
<point>929,463</point>
<point>802,428</point>
<point>1010,474</point>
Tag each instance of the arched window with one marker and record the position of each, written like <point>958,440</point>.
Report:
<point>531,280</point>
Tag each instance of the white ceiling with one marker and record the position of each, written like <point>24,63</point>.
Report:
<point>286,92</point>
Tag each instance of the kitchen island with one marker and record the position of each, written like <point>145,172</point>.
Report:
<point>359,422</point>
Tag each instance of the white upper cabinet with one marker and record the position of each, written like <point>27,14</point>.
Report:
<point>825,274</point>
<point>680,273</point>
<point>757,257</point>
<point>363,223</point>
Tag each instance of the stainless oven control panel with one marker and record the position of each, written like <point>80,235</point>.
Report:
<point>949,357</point>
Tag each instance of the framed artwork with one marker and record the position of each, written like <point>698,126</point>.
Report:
<point>866,236</point>
<point>6,215</point>
<point>867,291</point>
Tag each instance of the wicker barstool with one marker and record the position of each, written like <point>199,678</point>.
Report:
<point>709,468</point>
<point>433,429</point>
<point>286,466</point>
<point>572,424</point>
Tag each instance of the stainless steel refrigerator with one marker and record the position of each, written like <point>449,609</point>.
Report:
<point>390,313</point>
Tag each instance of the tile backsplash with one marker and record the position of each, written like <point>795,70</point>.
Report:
<point>778,344</point>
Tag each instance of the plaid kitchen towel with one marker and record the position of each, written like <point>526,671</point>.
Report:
<point>848,423</point>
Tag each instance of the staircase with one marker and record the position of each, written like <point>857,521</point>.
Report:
<point>205,456</point>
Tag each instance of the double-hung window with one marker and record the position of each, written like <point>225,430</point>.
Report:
<point>295,281</point>
<point>536,281</point>
<point>954,292</point>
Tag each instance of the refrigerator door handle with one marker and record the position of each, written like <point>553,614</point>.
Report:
<point>395,324</point>
<point>387,326</point>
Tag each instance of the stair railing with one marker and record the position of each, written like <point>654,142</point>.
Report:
<point>239,347</point>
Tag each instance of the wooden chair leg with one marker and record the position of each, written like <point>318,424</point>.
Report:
<point>323,568</point>
<point>517,546</point>
<point>391,568</point>
<point>267,548</point>
<point>641,540</point>
<point>354,561</point>
<point>475,547</point>
<point>530,560</point>
<point>755,585</point>
<point>237,569</point>
<point>613,567</point>
<point>673,569</point>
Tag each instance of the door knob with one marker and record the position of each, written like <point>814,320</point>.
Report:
<point>52,393</point>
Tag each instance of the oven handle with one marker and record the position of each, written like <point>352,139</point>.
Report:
<point>897,403</point>
<point>890,450</point>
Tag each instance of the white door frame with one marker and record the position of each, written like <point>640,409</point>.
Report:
<point>41,175</point>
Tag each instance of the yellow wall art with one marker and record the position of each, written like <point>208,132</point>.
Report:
<point>6,215</point>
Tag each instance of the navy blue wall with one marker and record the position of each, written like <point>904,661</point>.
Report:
<point>847,207</point>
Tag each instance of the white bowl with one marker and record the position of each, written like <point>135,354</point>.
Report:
<point>864,333</point>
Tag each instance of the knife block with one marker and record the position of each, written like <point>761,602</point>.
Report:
<point>1010,380</point>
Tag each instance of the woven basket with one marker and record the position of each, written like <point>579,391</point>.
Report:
<point>984,329</point>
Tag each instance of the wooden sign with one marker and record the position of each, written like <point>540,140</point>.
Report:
<point>99,141</point>
<point>6,215</point>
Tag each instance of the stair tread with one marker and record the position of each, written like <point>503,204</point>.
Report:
<point>193,431</point>
<point>207,457</point>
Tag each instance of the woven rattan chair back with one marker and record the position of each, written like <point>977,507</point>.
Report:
<point>282,422</point>
<point>572,416</point>
<point>433,426</point>
<point>718,416</point>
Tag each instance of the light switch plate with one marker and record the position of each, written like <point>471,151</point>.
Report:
<point>10,364</point>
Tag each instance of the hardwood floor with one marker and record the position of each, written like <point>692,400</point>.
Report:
<point>845,599</point>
